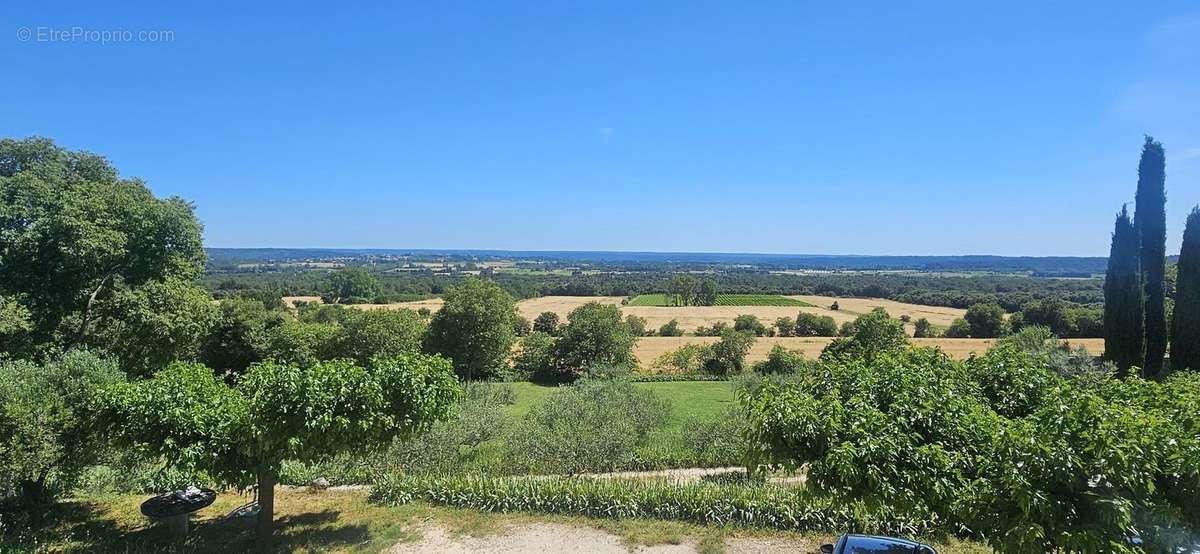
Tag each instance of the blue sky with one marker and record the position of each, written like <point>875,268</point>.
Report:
<point>874,128</point>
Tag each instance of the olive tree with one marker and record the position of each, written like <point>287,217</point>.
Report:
<point>45,429</point>
<point>241,434</point>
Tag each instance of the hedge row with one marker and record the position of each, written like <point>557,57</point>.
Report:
<point>759,505</point>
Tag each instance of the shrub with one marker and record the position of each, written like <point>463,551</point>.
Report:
<point>784,326</point>
<point>781,360</point>
<point>521,326</point>
<point>728,355</point>
<point>534,359</point>
<point>717,329</point>
<point>986,320</point>
<point>922,328</point>
<point>685,359</point>
<point>958,329</point>
<point>871,335</point>
<point>670,329</point>
<point>591,426</point>
<point>749,323</point>
<point>546,322</point>
<point>367,334</point>
<point>46,431</point>
<point>637,325</point>
<point>717,441</point>
<point>474,329</point>
<point>813,325</point>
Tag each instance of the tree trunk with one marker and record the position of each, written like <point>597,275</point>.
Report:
<point>264,530</point>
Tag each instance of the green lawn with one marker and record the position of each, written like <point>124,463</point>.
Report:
<point>722,300</point>
<point>688,398</point>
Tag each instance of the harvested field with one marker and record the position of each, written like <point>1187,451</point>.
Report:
<point>936,315</point>
<point>649,348</point>
<point>664,300</point>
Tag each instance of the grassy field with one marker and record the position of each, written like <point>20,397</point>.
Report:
<point>663,300</point>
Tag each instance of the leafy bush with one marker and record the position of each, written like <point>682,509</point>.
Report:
<point>46,431</point>
<point>670,329</point>
<point>591,426</point>
<point>685,359</point>
<point>728,355</point>
<point>534,358</point>
<point>749,323</point>
<point>869,336</point>
<point>715,330</point>
<point>781,360</point>
<point>474,329</point>
<point>717,441</point>
<point>813,325</point>
<point>366,334</point>
<point>594,334</point>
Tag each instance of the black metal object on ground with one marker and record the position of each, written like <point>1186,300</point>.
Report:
<point>178,502</point>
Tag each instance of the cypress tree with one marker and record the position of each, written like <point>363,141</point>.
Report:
<point>1150,219</point>
<point>1124,338</point>
<point>1185,325</point>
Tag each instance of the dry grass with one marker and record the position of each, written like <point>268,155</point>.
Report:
<point>649,348</point>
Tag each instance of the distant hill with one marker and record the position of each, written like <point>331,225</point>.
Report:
<point>1049,266</point>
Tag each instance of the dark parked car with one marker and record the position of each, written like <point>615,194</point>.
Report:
<point>868,544</point>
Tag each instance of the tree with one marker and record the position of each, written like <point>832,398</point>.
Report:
<point>781,361</point>
<point>750,324</point>
<point>706,295</point>
<point>958,329</point>
<point>785,326</point>
<point>594,335</point>
<point>534,359</point>
<point>986,320</point>
<point>521,326</point>
<point>1185,325</point>
<point>637,325</point>
<point>1150,220</point>
<point>474,328</point>
<point>728,355</point>
<point>1124,312</point>
<point>240,435</point>
<point>239,337</point>
<point>922,328</point>
<point>73,234</point>
<point>871,335</point>
<point>46,434</point>
<point>354,284</point>
<point>813,325</point>
<point>156,324</point>
<point>367,334</point>
<point>301,343</point>
<point>682,290</point>
<point>14,327</point>
<point>546,322</point>
<point>670,329</point>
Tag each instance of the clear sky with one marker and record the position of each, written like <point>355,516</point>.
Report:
<point>791,127</point>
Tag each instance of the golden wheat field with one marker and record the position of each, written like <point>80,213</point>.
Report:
<point>650,348</point>
<point>692,317</point>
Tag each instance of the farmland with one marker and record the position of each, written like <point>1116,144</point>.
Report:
<point>663,300</point>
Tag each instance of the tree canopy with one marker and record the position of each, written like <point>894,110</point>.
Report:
<point>474,328</point>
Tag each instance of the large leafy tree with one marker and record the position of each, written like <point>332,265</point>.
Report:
<point>79,245</point>
<point>474,328</point>
<point>241,434</point>
<point>594,334</point>
<point>986,320</point>
<point>1185,325</point>
<point>1150,219</point>
<point>1124,337</point>
<point>350,283</point>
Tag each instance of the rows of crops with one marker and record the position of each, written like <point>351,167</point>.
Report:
<point>722,300</point>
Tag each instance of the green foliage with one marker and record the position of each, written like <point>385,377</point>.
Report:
<point>728,355</point>
<point>1011,380</point>
<point>1150,221</point>
<point>688,358</point>
<point>546,322</point>
<point>637,325</point>
<point>78,244</point>
<point>1065,319</point>
<point>521,326</point>
<point>240,336</point>
<point>670,329</point>
<point>1185,325</point>
<point>14,327</point>
<point>242,434</point>
<point>349,283</point>
<point>46,431</point>
<point>593,425</point>
<point>156,324</point>
<point>706,293</point>
<point>535,357</point>
<point>958,329</point>
<point>682,290</point>
<point>717,441</point>
<point>986,320</point>
<point>784,326</point>
<point>922,328</point>
<point>594,334</point>
<point>474,329</point>
<point>367,334</point>
<point>302,343</point>
<point>749,323</point>
<point>704,503</point>
<point>871,335</point>
<point>813,325</point>
<point>781,361</point>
